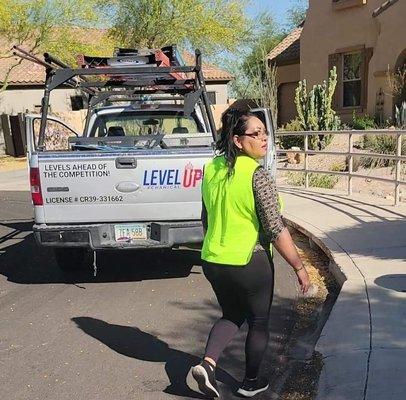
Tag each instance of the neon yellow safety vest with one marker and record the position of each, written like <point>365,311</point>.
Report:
<point>233,224</point>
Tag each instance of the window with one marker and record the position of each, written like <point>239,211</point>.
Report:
<point>212,97</point>
<point>56,134</point>
<point>352,78</point>
<point>352,83</point>
<point>137,123</point>
<point>77,103</point>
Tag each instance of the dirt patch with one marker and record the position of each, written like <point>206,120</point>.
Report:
<point>316,263</point>
<point>305,364</point>
<point>8,163</point>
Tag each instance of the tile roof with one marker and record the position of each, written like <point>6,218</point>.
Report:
<point>28,73</point>
<point>24,73</point>
<point>384,6</point>
<point>210,72</point>
<point>288,49</point>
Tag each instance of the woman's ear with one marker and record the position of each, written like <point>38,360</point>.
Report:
<point>237,141</point>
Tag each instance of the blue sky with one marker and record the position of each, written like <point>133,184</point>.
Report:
<point>277,8</point>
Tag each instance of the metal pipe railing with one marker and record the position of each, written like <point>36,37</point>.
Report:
<point>350,154</point>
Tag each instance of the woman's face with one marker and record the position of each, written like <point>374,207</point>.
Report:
<point>254,141</point>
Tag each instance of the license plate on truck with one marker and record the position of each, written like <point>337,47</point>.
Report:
<point>129,232</point>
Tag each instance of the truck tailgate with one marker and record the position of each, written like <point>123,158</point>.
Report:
<point>85,187</point>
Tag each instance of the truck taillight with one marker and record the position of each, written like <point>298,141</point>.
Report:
<point>35,187</point>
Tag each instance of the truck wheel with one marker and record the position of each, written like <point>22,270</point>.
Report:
<point>72,259</point>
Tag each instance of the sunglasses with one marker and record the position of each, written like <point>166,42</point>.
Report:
<point>256,135</point>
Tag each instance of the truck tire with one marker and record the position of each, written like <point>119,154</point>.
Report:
<point>72,258</point>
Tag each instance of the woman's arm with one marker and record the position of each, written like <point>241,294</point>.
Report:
<point>204,217</point>
<point>267,206</point>
<point>272,226</point>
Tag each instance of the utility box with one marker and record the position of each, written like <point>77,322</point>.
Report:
<point>13,135</point>
<point>18,134</point>
<point>8,139</point>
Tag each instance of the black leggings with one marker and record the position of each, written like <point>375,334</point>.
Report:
<point>244,294</point>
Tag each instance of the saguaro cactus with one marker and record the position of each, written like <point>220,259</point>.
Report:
<point>314,109</point>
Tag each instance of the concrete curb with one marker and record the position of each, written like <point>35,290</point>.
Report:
<point>345,341</point>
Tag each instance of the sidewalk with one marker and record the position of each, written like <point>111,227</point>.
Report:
<point>363,343</point>
<point>15,180</point>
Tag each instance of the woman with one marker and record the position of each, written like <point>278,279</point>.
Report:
<point>240,206</point>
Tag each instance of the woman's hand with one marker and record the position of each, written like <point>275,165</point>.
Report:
<point>303,279</point>
<point>286,248</point>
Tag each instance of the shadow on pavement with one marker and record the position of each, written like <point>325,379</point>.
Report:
<point>336,201</point>
<point>135,343</point>
<point>396,282</point>
<point>378,232</point>
<point>22,261</point>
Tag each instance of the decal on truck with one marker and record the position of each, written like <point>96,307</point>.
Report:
<point>82,170</point>
<point>172,178</point>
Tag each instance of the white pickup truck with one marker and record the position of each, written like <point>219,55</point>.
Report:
<point>130,180</point>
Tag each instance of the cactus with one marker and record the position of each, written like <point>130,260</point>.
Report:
<point>400,115</point>
<point>314,109</point>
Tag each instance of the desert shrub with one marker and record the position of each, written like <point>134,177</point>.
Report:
<point>338,167</point>
<point>381,144</point>
<point>287,142</point>
<point>363,122</point>
<point>315,180</point>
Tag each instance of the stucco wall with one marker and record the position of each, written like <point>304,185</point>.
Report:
<point>390,44</point>
<point>288,73</point>
<point>221,92</point>
<point>327,30</point>
<point>287,77</point>
<point>13,101</point>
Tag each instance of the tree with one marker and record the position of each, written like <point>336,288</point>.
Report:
<point>253,78</point>
<point>48,25</point>
<point>211,25</point>
<point>265,37</point>
<point>297,13</point>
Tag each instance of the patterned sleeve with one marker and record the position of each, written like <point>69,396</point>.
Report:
<point>267,205</point>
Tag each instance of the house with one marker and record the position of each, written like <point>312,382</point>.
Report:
<point>363,39</point>
<point>26,84</point>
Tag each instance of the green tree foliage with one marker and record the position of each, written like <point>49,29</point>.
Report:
<point>250,65</point>
<point>297,13</point>
<point>57,26</point>
<point>265,37</point>
<point>211,25</point>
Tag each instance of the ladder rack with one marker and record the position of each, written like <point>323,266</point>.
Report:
<point>143,72</point>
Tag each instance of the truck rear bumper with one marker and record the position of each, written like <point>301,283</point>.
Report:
<point>101,236</point>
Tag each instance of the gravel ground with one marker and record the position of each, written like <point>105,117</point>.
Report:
<point>303,364</point>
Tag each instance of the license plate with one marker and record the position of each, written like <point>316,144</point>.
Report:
<point>129,232</point>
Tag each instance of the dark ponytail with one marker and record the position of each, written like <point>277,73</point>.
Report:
<point>234,122</point>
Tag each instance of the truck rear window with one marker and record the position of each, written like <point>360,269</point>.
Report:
<point>135,124</point>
